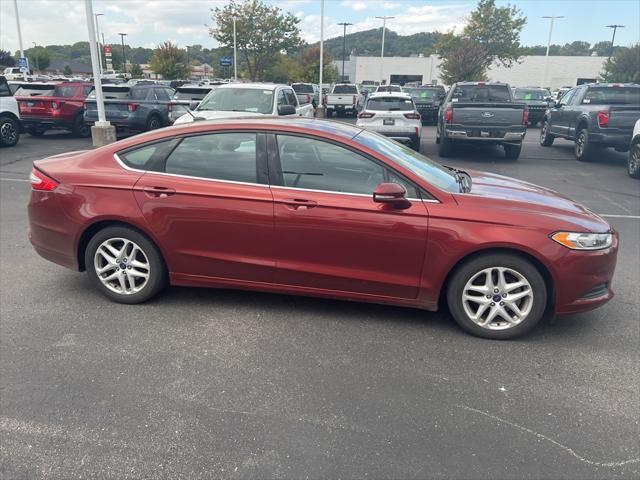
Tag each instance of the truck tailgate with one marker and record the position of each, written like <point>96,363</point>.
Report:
<point>488,114</point>
<point>337,99</point>
<point>623,117</point>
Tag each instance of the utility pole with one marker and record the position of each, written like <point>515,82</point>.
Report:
<point>320,107</point>
<point>384,28</point>
<point>98,39</point>
<point>15,7</point>
<point>344,43</point>
<point>235,52</point>
<point>613,38</point>
<point>124,57</point>
<point>546,60</point>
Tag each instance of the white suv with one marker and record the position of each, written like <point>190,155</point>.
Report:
<point>393,115</point>
<point>9,116</point>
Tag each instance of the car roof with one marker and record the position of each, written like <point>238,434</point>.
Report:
<point>483,83</point>
<point>254,86</point>
<point>612,85</point>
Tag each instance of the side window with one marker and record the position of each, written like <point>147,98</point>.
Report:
<point>291,97</point>
<point>4,89</point>
<point>281,99</point>
<point>577,96</point>
<point>86,91</point>
<point>393,177</point>
<point>218,156</point>
<point>566,98</point>
<point>317,165</point>
<point>142,158</point>
<point>161,95</point>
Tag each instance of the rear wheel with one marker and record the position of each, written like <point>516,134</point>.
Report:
<point>633,162</point>
<point>80,128</point>
<point>125,265</point>
<point>9,132</point>
<point>154,122</point>
<point>583,147</point>
<point>512,152</point>
<point>497,296</point>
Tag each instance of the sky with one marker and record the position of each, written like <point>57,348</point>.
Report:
<point>149,22</point>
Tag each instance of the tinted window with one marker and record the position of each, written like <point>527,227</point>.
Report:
<point>524,94</point>
<point>112,93</point>
<point>291,97</point>
<point>389,88</point>
<point>161,94</point>
<point>190,93</point>
<point>612,96</point>
<point>281,99</point>
<point>86,90</point>
<point>389,104</point>
<point>220,156</point>
<point>345,89</point>
<point>566,98</point>
<point>65,91</point>
<point>4,89</point>
<point>317,165</point>
<point>34,90</point>
<point>481,93</point>
<point>139,93</point>
<point>140,157</point>
<point>254,100</point>
<point>302,88</point>
<point>425,93</point>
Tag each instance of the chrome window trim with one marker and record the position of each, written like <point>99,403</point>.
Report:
<point>426,200</point>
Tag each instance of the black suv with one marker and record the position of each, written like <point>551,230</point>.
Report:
<point>536,99</point>
<point>594,115</point>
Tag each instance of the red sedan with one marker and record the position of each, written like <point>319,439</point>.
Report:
<point>311,207</point>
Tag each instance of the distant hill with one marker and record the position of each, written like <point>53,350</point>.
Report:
<point>368,43</point>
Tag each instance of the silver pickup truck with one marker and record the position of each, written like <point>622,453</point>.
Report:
<point>344,98</point>
<point>481,112</point>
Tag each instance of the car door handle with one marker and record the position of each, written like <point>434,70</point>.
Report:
<point>159,192</point>
<point>299,204</point>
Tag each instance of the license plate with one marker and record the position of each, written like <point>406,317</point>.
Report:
<point>388,121</point>
<point>484,134</point>
<point>31,104</point>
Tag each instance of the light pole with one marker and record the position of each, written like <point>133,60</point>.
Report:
<point>124,57</point>
<point>384,28</point>
<point>344,43</point>
<point>546,60</point>
<point>98,39</point>
<point>15,7</point>
<point>613,38</point>
<point>320,105</point>
<point>235,53</point>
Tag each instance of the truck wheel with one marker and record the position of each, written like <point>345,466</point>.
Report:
<point>546,139</point>
<point>9,132</point>
<point>80,128</point>
<point>445,147</point>
<point>633,162</point>
<point>36,131</point>
<point>512,152</point>
<point>583,147</point>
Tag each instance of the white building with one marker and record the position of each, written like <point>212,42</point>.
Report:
<point>561,71</point>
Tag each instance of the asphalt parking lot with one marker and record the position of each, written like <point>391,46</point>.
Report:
<point>218,383</point>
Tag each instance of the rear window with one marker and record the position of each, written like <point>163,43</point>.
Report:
<point>112,93</point>
<point>612,96</point>
<point>481,93</point>
<point>345,89</point>
<point>35,90</point>
<point>183,93</point>
<point>523,94</point>
<point>389,88</point>
<point>65,91</point>
<point>302,88</point>
<point>425,93</point>
<point>388,104</point>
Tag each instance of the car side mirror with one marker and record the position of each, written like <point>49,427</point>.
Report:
<point>193,105</point>
<point>286,110</point>
<point>392,194</point>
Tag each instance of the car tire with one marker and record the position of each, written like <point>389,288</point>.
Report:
<point>113,272</point>
<point>512,152</point>
<point>546,138</point>
<point>80,128</point>
<point>445,147</point>
<point>154,122</point>
<point>479,292</point>
<point>328,113</point>
<point>583,148</point>
<point>633,161</point>
<point>36,131</point>
<point>9,132</point>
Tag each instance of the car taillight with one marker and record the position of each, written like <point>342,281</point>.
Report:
<point>525,116</point>
<point>132,107</point>
<point>39,181</point>
<point>366,115</point>
<point>603,118</point>
<point>448,115</point>
<point>412,116</point>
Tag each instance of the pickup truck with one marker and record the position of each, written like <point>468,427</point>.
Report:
<point>633,162</point>
<point>61,108</point>
<point>137,108</point>
<point>427,100</point>
<point>10,125</point>
<point>307,93</point>
<point>537,101</point>
<point>186,97</point>
<point>344,98</point>
<point>233,100</point>
<point>481,113</point>
<point>593,116</point>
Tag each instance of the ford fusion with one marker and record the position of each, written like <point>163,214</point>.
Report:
<point>311,207</point>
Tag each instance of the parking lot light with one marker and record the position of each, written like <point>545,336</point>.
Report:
<point>384,28</point>
<point>546,60</point>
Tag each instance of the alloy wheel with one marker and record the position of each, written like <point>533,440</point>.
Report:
<point>580,144</point>
<point>122,266</point>
<point>497,298</point>
<point>8,133</point>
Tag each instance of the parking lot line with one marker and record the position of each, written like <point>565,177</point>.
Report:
<point>14,179</point>
<point>612,215</point>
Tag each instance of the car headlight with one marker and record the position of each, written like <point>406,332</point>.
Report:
<point>583,241</point>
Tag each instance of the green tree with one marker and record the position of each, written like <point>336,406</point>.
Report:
<point>6,59</point>
<point>463,60</point>
<point>262,31</point>
<point>577,48</point>
<point>624,66</point>
<point>39,58</point>
<point>310,66</point>
<point>169,61</point>
<point>497,31</point>
<point>67,70</point>
<point>283,69</point>
<point>136,71</point>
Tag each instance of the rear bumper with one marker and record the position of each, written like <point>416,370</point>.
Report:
<point>49,122</point>
<point>129,123</point>
<point>611,139</point>
<point>342,108</point>
<point>457,133</point>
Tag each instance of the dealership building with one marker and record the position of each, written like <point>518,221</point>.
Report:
<point>561,70</point>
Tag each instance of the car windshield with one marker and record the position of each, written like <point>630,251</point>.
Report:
<point>345,89</point>
<point>389,104</point>
<point>425,93</point>
<point>255,100</point>
<point>426,169</point>
<point>612,96</point>
<point>302,88</point>
<point>389,88</point>
<point>529,94</point>
<point>481,93</point>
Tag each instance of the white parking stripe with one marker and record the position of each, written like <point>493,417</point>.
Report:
<point>14,179</point>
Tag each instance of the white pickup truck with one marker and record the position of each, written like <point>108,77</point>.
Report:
<point>247,99</point>
<point>344,98</point>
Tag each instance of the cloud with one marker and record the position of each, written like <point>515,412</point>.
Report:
<point>356,6</point>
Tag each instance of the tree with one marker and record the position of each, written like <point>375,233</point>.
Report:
<point>39,58</point>
<point>283,69</point>
<point>169,61</point>
<point>624,66</point>
<point>310,66</point>
<point>136,71</point>
<point>262,31</point>
<point>497,31</point>
<point>67,71</point>
<point>6,59</point>
<point>464,60</point>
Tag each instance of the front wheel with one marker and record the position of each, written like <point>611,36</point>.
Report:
<point>9,132</point>
<point>633,162</point>
<point>125,265</point>
<point>497,296</point>
<point>512,152</point>
<point>546,139</point>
